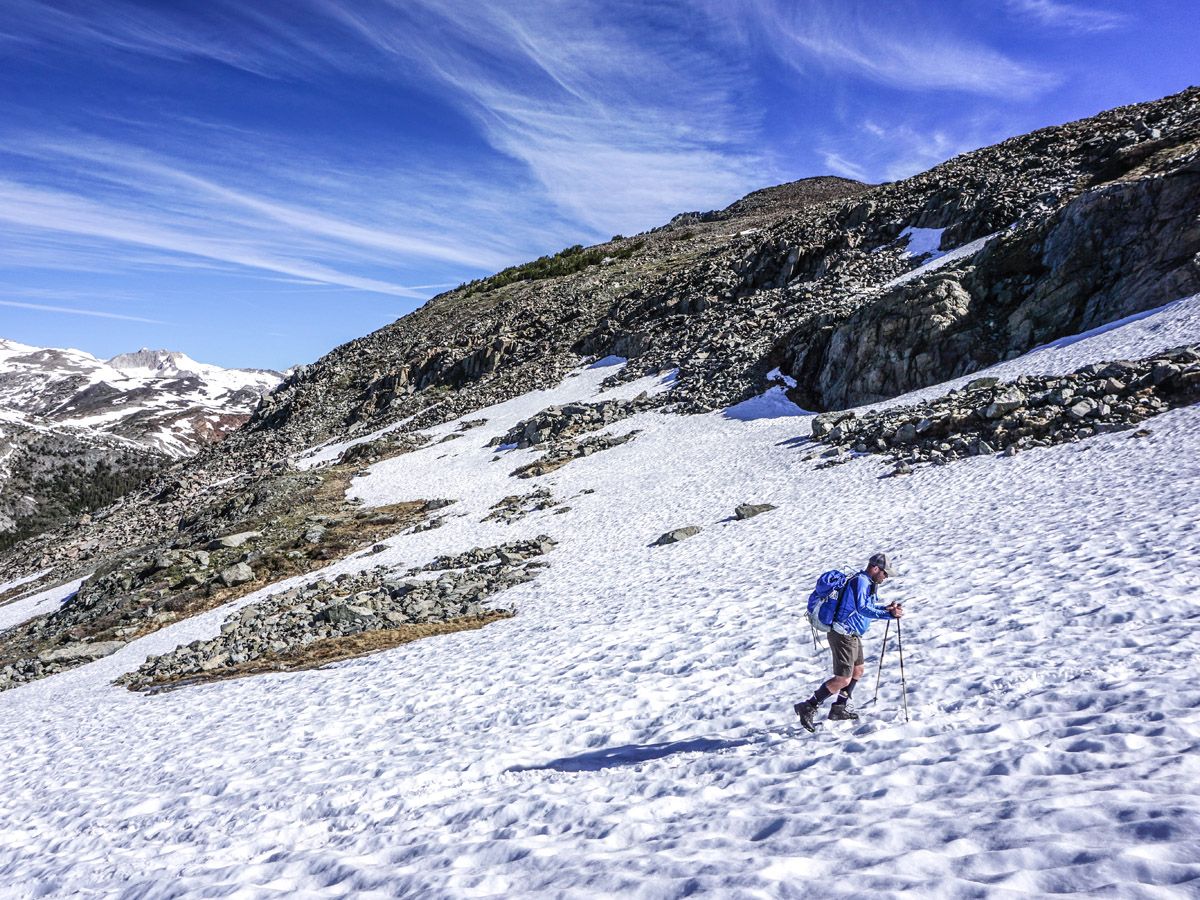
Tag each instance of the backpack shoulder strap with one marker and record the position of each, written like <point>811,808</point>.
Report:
<point>837,610</point>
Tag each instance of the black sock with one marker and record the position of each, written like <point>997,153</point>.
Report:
<point>820,695</point>
<point>845,693</point>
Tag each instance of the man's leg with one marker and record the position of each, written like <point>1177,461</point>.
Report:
<point>843,672</point>
<point>841,708</point>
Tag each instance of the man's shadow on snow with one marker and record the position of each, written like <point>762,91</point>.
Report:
<point>632,754</point>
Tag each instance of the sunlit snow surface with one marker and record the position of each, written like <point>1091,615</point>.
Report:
<point>923,242</point>
<point>629,732</point>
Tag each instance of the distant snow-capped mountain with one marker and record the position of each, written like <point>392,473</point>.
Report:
<point>160,399</point>
<point>77,432</point>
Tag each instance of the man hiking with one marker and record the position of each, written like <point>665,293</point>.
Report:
<point>856,604</point>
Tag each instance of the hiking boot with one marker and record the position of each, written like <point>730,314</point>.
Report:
<point>842,711</point>
<point>806,711</point>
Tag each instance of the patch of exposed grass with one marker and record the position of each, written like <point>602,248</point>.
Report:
<point>330,650</point>
<point>564,262</point>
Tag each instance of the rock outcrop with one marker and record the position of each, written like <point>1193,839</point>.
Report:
<point>375,600</point>
<point>989,416</point>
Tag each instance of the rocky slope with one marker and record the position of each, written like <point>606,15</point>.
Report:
<point>51,473</point>
<point>847,293</point>
<point>1087,222</point>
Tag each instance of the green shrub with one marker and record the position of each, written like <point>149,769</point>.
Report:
<point>564,262</point>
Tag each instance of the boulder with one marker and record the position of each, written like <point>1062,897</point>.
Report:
<point>1007,401</point>
<point>679,534</point>
<point>236,574</point>
<point>1083,408</point>
<point>230,541</point>
<point>981,383</point>
<point>80,651</point>
<point>346,614</point>
<point>750,510</point>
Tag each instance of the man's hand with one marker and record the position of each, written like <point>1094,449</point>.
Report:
<point>895,609</point>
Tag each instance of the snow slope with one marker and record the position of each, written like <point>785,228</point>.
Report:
<point>629,732</point>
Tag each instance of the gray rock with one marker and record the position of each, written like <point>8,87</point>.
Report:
<point>240,573</point>
<point>679,534</point>
<point>1083,408</point>
<point>1009,400</point>
<point>80,651</point>
<point>347,614</point>
<point>231,541</point>
<point>981,383</point>
<point>750,510</point>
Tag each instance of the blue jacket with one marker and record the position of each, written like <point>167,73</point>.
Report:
<point>859,605</point>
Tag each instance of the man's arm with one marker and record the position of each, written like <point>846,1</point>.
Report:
<point>871,608</point>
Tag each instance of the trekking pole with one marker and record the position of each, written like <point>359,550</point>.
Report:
<point>813,629</point>
<point>903,684</point>
<point>878,675</point>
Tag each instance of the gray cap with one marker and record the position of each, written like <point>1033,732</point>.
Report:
<point>881,560</point>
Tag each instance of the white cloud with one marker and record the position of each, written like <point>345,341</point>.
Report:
<point>881,151</point>
<point>74,311</point>
<point>892,44</point>
<point>61,212</point>
<point>620,133</point>
<point>133,170</point>
<point>839,165</point>
<point>1070,16</point>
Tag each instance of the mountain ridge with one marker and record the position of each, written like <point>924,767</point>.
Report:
<point>78,431</point>
<point>772,300</point>
<point>660,306</point>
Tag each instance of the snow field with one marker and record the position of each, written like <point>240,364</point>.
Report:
<point>629,732</point>
<point>39,603</point>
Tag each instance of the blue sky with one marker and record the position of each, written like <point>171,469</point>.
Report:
<point>256,182</point>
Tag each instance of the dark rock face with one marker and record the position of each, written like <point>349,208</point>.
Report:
<point>1033,411</point>
<point>1112,251</point>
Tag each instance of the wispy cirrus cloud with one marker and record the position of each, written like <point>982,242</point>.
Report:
<point>618,133</point>
<point>897,44</point>
<point>236,35</point>
<point>1072,17</point>
<point>610,134</point>
<point>911,150</point>
<point>131,169</point>
<point>68,213</point>
<point>882,151</point>
<point>180,206</point>
<point>837,164</point>
<point>75,311</point>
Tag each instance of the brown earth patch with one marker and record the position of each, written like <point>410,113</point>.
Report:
<point>329,650</point>
<point>130,597</point>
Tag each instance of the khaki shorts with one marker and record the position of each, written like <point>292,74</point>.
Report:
<point>847,653</point>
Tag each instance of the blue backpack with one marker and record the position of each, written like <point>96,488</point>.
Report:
<point>824,603</point>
